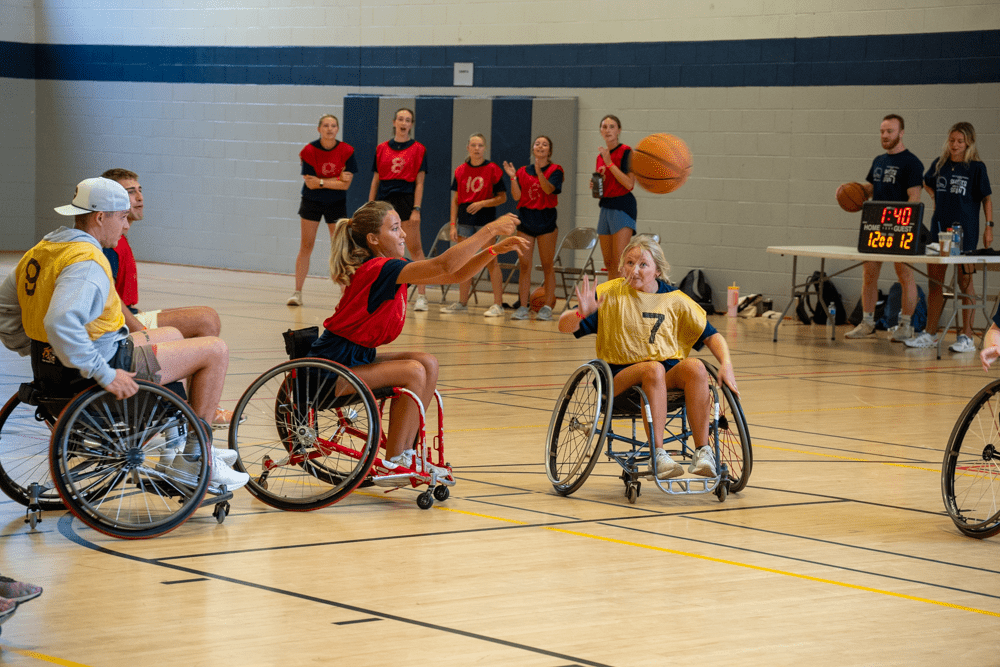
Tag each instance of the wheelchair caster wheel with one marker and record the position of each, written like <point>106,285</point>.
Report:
<point>33,518</point>
<point>425,500</point>
<point>221,512</point>
<point>631,493</point>
<point>441,492</point>
<point>722,490</point>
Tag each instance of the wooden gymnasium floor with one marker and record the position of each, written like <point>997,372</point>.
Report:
<point>837,553</point>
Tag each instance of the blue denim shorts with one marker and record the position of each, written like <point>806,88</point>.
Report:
<point>612,221</point>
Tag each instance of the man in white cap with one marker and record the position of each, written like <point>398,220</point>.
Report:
<point>62,293</point>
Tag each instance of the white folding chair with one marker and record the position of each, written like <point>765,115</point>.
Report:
<point>441,243</point>
<point>580,239</point>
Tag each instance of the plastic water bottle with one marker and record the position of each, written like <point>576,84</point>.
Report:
<point>957,239</point>
<point>831,320</point>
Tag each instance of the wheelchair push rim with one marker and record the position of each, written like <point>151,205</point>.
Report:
<point>307,432</point>
<point>25,435</point>
<point>735,450</point>
<point>970,473</point>
<point>109,461</point>
<point>578,426</point>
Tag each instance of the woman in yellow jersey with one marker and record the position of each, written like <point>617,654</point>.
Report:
<point>645,331</point>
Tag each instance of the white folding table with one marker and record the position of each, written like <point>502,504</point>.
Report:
<point>825,252</point>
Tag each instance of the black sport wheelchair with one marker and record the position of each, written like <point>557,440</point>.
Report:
<point>66,443</point>
<point>970,474</point>
<point>588,418</point>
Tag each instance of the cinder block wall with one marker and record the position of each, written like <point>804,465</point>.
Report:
<point>778,101</point>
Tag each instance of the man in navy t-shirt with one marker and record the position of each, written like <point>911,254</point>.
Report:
<point>896,175</point>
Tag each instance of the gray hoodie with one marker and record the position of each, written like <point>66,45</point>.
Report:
<point>80,295</point>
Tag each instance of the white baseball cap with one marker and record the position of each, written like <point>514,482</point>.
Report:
<point>97,194</point>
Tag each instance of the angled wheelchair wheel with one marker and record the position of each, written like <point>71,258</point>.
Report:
<point>309,434</point>
<point>25,434</point>
<point>734,435</point>
<point>970,475</point>
<point>129,468</point>
<point>578,426</point>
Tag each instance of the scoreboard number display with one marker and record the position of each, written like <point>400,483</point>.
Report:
<point>891,228</point>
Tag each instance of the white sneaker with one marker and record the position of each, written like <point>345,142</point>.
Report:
<point>406,460</point>
<point>544,313</point>
<point>862,330</point>
<point>420,305</point>
<point>496,310</point>
<point>226,455</point>
<point>703,463</point>
<point>666,467</point>
<point>963,344</point>
<point>923,339</point>
<point>457,307</point>
<point>901,333</point>
<point>295,299</point>
<point>221,472</point>
<point>224,474</point>
<point>521,313</point>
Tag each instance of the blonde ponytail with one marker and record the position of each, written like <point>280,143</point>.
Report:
<point>349,245</point>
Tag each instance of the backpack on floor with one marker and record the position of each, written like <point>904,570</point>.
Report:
<point>858,313</point>
<point>809,309</point>
<point>696,286</point>
<point>894,305</point>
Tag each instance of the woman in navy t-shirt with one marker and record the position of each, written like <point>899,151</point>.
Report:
<point>959,184</point>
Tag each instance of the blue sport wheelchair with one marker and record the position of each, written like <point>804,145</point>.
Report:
<point>584,422</point>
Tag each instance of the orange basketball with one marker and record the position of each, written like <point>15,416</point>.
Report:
<point>851,197</point>
<point>537,299</point>
<point>661,163</point>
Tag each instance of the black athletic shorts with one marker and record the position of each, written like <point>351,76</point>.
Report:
<point>316,211</point>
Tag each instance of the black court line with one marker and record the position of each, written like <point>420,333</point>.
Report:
<point>67,531</point>
<point>805,560</point>
<point>880,443</point>
<point>183,581</point>
<point>935,561</point>
<point>360,620</point>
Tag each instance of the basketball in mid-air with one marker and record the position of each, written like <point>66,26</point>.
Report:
<point>661,163</point>
<point>851,197</point>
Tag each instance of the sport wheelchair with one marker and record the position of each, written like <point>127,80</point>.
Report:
<point>583,423</point>
<point>970,474</point>
<point>309,431</point>
<point>67,443</point>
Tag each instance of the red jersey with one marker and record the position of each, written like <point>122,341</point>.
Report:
<point>127,280</point>
<point>612,188</point>
<point>532,195</point>
<point>477,183</point>
<point>400,161</point>
<point>325,163</point>
<point>372,309</point>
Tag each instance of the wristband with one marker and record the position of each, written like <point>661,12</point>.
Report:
<point>989,223</point>
<point>452,224</point>
<point>415,208</point>
<point>321,182</point>
<point>577,313</point>
<point>491,251</point>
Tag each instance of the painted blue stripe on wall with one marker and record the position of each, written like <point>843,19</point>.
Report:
<point>915,59</point>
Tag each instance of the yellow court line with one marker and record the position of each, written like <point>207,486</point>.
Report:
<point>482,516</point>
<point>46,658</point>
<point>769,570</point>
